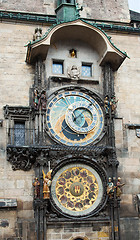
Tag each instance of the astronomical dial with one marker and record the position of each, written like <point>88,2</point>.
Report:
<point>74,118</point>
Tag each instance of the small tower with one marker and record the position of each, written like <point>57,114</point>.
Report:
<point>66,10</point>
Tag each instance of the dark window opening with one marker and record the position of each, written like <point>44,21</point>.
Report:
<point>68,1</point>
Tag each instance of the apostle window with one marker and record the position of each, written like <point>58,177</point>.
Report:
<point>57,67</point>
<point>86,70</point>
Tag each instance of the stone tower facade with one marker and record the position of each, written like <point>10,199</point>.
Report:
<point>117,11</point>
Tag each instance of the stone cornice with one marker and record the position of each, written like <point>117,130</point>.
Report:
<point>24,157</point>
<point>42,18</point>
<point>24,16</point>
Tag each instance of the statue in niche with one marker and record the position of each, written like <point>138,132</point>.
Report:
<point>46,184</point>
<point>74,72</point>
<point>119,185</point>
<point>36,185</point>
<point>110,188</point>
<point>43,100</point>
<point>38,34</point>
<point>72,53</point>
<point>36,99</point>
<point>113,104</point>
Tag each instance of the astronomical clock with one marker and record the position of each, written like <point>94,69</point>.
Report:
<point>75,119</point>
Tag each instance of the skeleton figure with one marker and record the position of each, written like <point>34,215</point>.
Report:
<point>43,100</point>
<point>36,99</point>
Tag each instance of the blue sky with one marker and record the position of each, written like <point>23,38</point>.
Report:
<point>134,5</point>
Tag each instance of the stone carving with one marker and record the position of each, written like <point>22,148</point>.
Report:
<point>113,104</point>
<point>106,104</point>
<point>16,110</point>
<point>78,9</point>
<point>36,99</point>
<point>36,185</point>
<point>38,34</point>
<point>39,99</point>
<point>119,185</point>
<point>110,104</point>
<point>21,158</point>
<point>43,100</point>
<point>110,188</point>
<point>46,184</point>
<point>74,72</point>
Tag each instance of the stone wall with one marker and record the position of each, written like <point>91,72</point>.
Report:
<point>38,6</point>
<point>103,10</point>
<point>16,77</point>
<point>74,230</point>
<point>13,228</point>
<point>127,87</point>
<point>106,10</point>
<point>130,228</point>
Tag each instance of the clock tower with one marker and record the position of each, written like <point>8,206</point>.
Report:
<point>74,111</point>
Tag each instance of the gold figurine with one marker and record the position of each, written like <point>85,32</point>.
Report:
<point>73,54</point>
<point>46,184</point>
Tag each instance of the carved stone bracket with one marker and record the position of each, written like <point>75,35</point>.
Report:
<point>16,111</point>
<point>21,158</point>
<point>112,158</point>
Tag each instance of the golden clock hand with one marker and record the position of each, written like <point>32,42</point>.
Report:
<point>66,100</point>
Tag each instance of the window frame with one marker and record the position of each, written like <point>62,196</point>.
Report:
<point>59,61</point>
<point>88,64</point>
<point>19,121</point>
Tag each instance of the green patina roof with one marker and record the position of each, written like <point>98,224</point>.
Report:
<point>98,26</point>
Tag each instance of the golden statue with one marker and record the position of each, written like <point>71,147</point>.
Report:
<point>46,184</point>
<point>73,55</point>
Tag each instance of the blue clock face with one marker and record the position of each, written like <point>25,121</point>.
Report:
<point>75,119</point>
